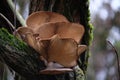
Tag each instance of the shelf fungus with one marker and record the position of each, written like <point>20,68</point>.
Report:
<point>55,38</point>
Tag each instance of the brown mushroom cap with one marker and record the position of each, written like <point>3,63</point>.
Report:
<point>63,29</point>
<point>22,31</point>
<point>41,17</point>
<point>64,51</point>
<point>26,34</point>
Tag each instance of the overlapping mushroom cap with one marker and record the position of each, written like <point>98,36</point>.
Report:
<point>64,51</point>
<point>54,37</point>
<point>63,29</point>
<point>38,18</point>
<point>33,22</point>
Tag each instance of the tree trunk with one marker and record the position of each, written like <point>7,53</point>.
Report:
<point>76,11</point>
<point>25,60</point>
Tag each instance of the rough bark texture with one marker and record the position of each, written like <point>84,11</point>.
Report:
<point>18,55</point>
<point>25,60</point>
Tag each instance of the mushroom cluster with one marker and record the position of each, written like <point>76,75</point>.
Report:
<point>55,38</point>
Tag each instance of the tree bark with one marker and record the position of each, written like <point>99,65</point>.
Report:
<point>18,55</point>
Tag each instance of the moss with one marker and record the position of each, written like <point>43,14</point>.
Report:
<point>18,55</point>
<point>88,36</point>
<point>11,40</point>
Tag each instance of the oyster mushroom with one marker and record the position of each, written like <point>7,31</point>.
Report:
<point>55,39</point>
<point>64,51</point>
<point>22,32</point>
<point>62,54</point>
<point>63,29</point>
<point>38,18</point>
<point>27,35</point>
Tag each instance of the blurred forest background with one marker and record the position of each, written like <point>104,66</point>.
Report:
<point>105,17</point>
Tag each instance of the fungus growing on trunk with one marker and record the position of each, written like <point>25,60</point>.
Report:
<point>55,38</point>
